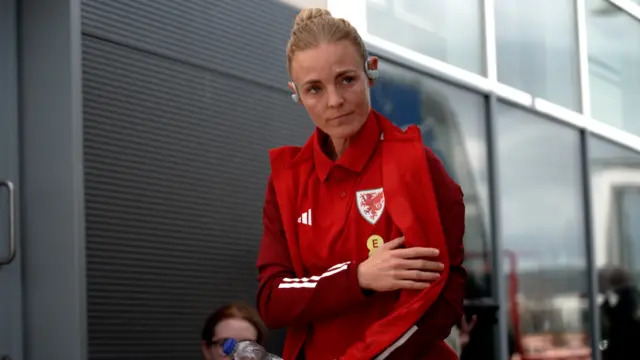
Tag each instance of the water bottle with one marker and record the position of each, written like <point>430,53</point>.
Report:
<point>246,350</point>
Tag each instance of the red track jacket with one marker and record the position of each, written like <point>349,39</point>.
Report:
<point>423,201</point>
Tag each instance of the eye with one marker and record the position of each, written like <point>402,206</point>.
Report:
<point>218,343</point>
<point>348,79</point>
<point>314,89</point>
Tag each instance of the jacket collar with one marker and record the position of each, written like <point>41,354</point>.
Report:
<point>360,150</point>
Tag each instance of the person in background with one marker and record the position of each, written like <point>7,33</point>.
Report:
<point>620,314</point>
<point>361,254</point>
<point>237,321</point>
<point>459,337</point>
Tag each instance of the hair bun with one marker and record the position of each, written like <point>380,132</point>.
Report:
<point>309,14</point>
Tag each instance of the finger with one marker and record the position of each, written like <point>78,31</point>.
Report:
<point>412,285</point>
<point>419,264</point>
<point>473,321</point>
<point>465,324</point>
<point>416,252</point>
<point>393,244</point>
<point>417,275</point>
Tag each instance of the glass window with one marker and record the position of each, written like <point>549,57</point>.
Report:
<point>538,49</point>
<point>450,31</point>
<point>452,121</point>
<point>613,37</point>
<point>544,239</point>
<point>615,182</point>
<point>453,126</point>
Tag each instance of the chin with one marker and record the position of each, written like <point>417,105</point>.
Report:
<point>343,132</point>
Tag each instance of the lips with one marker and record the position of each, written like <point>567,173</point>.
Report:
<point>341,116</point>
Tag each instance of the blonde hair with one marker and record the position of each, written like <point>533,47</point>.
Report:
<point>314,26</point>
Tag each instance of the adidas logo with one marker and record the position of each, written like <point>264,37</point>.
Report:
<point>305,218</point>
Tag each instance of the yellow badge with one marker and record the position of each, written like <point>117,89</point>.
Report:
<point>374,242</point>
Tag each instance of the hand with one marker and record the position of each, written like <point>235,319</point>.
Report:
<point>390,268</point>
<point>465,329</point>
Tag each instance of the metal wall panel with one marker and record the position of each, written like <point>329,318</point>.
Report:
<point>51,188</point>
<point>245,38</point>
<point>181,102</point>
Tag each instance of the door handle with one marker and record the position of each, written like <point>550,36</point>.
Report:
<point>12,221</point>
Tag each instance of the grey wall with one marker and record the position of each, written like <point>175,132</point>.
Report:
<point>11,330</point>
<point>182,100</point>
<point>51,191</point>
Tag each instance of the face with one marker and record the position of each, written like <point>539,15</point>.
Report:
<point>238,329</point>
<point>333,87</point>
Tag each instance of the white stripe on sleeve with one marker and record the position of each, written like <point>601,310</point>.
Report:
<point>398,343</point>
<point>311,282</point>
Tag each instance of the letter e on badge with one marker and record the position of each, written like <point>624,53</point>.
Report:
<point>374,242</point>
<point>370,204</point>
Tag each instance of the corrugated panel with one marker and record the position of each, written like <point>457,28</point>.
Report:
<point>175,169</point>
<point>245,37</point>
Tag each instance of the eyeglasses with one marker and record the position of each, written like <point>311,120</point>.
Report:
<point>220,342</point>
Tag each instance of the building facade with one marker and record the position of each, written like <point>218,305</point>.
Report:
<point>532,105</point>
<point>133,160</point>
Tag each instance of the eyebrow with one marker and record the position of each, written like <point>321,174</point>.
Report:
<point>339,74</point>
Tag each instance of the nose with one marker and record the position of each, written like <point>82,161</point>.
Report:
<point>335,98</point>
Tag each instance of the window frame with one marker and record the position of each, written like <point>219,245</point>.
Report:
<point>355,12</point>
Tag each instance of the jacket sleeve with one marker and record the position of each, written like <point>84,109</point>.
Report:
<point>448,309</point>
<point>285,299</point>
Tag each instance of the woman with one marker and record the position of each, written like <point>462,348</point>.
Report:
<point>236,321</point>
<point>362,246</point>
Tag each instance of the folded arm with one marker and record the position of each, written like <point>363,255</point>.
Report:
<point>447,310</point>
<point>285,299</point>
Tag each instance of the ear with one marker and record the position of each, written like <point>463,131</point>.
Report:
<point>205,350</point>
<point>372,62</point>
<point>294,92</point>
<point>372,65</point>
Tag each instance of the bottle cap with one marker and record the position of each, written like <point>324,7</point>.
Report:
<point>229,346</point>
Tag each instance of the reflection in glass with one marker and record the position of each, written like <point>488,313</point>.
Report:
<point>453,126</point>
<point>615,181</point>
<point>538,49</point>
<point>450,31</point>
<point>544,240</point>
<point>614,65</point>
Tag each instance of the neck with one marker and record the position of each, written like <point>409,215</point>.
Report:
<point>338,147</point>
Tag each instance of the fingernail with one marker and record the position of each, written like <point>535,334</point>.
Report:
<point>436,252</point>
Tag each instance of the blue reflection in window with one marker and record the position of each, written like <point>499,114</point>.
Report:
<point>402,104</point>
